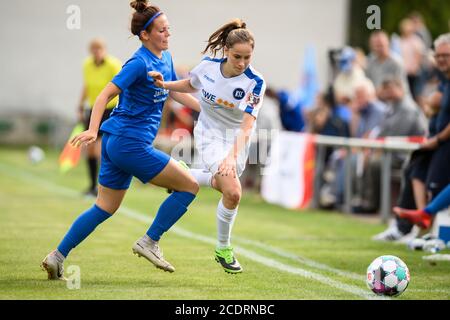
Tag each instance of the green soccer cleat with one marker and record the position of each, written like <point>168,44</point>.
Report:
<point>184,166</point>
<point>226,258</point>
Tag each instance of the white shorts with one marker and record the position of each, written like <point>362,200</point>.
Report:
<point>212,150</point>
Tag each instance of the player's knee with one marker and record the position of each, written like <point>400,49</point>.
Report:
<point>108,207</point>
<point>233,196</point>
<point>193,186</point>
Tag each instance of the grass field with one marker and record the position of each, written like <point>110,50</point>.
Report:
<point>286,254</point>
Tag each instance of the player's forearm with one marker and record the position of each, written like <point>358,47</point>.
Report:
<point>97,112</point>
<point>186,100</point>
<point>243,137</point>
<point>110,91</point>
<point>183,86</point>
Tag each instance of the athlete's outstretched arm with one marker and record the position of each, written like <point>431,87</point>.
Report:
<point>228,165</point>
<point>183,86</point>
<point>90,135</point>
<point>186,100</point>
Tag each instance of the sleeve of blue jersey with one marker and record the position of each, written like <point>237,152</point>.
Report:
<point>174,74</point>
<point>131,71</point>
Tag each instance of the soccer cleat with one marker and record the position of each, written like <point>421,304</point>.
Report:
<point>226,258</point>
<point>150,250</point>
<point>390,234</point>
<point>418,217</point>
<point>184,166</point>
<point>53,266</point>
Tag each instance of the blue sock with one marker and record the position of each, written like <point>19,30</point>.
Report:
<point>170,211</point>
<point>439,203</point>
<point>81,228</point>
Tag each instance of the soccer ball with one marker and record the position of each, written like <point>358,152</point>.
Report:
<point>387,275</point>
<point>35,154</point>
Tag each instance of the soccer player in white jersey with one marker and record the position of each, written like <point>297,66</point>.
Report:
<point>231,96</point>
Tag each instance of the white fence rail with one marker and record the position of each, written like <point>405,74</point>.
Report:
<point>387,146</point>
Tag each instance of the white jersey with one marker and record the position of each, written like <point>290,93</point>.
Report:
<point>223,104</point>
<point>224,100</point>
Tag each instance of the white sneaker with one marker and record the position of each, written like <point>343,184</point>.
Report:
<point>54,266</point>
<point>390,234</point>
<point>149,249</point>
<point>393,234</point>
<point>414,233</point>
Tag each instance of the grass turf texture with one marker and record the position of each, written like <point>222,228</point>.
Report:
<point>38,205</point>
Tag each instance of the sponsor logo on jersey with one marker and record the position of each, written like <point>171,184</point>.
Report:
<point>239,94</point>
<point>208,97</point>
<point>215,101</point>
<point>209,79</point>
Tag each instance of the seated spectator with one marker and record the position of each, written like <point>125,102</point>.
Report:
<point>381,63</point>
<point>403,118</point>
<point>326,118</point>
<point>367,111</point>
<point>349,77</point>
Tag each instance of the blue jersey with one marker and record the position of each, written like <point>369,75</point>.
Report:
<point>138,113</point>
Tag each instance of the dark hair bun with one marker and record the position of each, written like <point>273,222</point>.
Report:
<point>139,5</point>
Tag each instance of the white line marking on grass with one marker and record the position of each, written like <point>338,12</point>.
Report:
<point>300,259</point>
<point>272,263</point>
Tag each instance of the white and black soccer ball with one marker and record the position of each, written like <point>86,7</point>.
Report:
<point>387,276</point>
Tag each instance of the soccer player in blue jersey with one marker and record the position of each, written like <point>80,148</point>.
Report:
<point>231,97</point>
<point>127,144</point>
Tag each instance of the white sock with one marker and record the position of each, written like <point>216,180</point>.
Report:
<point>225,221</point>
<point>202,176</point>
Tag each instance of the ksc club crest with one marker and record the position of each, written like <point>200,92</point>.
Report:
<point>238,94</point>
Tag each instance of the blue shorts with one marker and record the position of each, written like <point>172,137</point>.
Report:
<point>123,158</point>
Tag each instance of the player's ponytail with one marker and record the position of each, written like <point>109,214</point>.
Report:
<point>228,35</point>
<point>145,13</point>
<point>139,5</point>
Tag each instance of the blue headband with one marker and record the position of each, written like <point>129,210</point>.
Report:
<point>150,21</point>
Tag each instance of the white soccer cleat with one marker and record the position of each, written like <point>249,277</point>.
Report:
<point>149,249</point>
<point>54,267</point>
